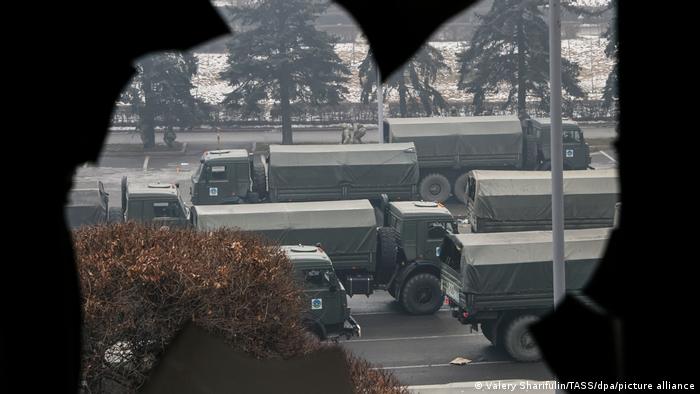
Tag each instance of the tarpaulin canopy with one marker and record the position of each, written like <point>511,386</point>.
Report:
<point>86,207</point>
<point>476,140</point>
<point>321,171</point>
<point>341,227</point>
<point>521,200</point>
<point>516,262</point>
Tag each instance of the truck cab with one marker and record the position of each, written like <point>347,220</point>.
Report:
<point>223,177</point>
<point>328,315</point>
<point>158,203</point>
<point>576,150</point>
<point>415,229</point>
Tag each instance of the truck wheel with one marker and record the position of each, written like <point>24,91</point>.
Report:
<point>422,295</point>
<point>546,166</point>
<point>518,342</point>
<point>316,329</point>
<point>434,187</point>
<point>387,253</point>
<point>460,188</point>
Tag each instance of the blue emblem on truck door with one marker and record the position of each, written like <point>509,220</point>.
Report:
<point>213,191</point>
<point>316,303</point>
<point>569,153</point>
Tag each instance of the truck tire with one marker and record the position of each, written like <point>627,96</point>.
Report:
<point>422,295</point>
<point>460,187</point>
<point>316,329</point>
<point>545,166</point>
<point>434,187</point>
<point>387,253</point>
<point>517,340</point>
<point>259,176</point>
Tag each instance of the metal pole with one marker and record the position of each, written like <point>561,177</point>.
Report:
<point>557,156</point>
<point>557,160</point>
<point>380,107</point>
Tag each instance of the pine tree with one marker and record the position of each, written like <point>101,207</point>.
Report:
<point>510,50</point>
<point>161,92</point>
<point>610,92</point>
<point>280,55</point>
<point>413,82</point>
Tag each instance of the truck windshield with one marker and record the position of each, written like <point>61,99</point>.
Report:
<point>316,279</point>
<point>437,230</point>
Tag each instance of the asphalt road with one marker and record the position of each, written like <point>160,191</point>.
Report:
<point>418,349</point>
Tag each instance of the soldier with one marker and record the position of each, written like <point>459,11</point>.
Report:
<point>357,136</point>
<point>347,134</point>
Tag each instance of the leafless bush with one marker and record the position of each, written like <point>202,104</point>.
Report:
<point>141,284</point>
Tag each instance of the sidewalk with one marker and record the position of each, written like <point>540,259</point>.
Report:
<point>487,387</point>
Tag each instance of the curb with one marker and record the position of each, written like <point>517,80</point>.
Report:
<point>108,153</point>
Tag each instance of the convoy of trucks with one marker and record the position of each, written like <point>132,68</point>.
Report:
<point>357,205</point>
<point>449,147</point>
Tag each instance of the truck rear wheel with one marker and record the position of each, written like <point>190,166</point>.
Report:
<point>517,340</point>
<point>460,188</point>
<point>434,187</point>
<point>422,295</point>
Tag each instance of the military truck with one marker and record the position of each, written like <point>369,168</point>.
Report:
<point>159,203</point>
<point>328,315</point>
<point>449,147</point>
<point>87,206</point>
<point>399,255</point>
<point>290,173</point>
<point>502,282</point>
<point>522,200</point>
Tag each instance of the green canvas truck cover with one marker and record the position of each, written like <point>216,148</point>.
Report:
<point>462,141</point>
<point>521,200</point>
<point>346,230</point>
<point>521,262</point>
<point>322,172</point>
<point>86,207</point>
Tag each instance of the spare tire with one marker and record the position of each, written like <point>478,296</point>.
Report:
<point>460,188</point>
<point>434,187</point>
<point>388,252</point>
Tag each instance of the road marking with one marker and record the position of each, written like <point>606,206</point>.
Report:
<point>608,156</point>
<point>444,365</point>
<point>412,338</point>
<point>145,163</point>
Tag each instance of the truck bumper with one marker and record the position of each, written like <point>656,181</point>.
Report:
<point>351,328</point>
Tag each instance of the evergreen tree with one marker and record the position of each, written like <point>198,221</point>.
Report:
<point>610,92</point>
<point>510,50</point>
<point>413,82</point>
<point>161,92</point>
<point>280,55</point>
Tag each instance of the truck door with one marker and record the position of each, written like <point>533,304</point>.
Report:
<point>576,153</point>
<point>432,234</point>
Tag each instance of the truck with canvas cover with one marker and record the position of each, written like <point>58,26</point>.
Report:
<point>158,203</point>
<point>87,207</point>
<point>327,314</point>
<point>449,147</point>
<point>294,173</point>
<point>522,200</point>
<point>398,256</point>
<point>503,281</point>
